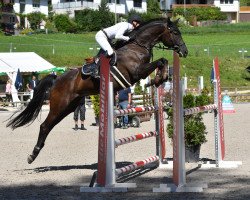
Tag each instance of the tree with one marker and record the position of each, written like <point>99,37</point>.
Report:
<point>244,2</point>
<point>94,20</point>
<point>35,19</point>
<point>105,17</point>
<point>153,7</point>
<point>64,24</point>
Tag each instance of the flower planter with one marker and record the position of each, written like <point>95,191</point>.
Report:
<point>192,153</point>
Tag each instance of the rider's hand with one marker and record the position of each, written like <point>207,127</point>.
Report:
<point>132,37</point>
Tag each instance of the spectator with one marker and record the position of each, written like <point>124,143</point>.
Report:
<point>124,101</point>
<point>8,92</point>
<point>80,110</point>
<point>31,85</point>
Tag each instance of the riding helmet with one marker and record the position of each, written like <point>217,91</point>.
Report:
<point>136,18</point>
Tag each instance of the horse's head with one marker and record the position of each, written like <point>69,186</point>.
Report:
<point>172,38</point>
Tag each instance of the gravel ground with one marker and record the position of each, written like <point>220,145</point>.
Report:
<point>69,159</point>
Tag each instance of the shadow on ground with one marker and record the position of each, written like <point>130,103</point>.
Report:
<point>52,191</point>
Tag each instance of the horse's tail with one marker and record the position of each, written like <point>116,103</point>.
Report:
<point>30,113</point>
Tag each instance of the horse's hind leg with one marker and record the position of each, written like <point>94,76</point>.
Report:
<point>45,128</point>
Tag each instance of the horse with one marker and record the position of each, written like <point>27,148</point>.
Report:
<point>133,62</point>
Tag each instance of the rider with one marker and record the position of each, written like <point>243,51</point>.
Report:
<point>106,35</point>
<point>116,32</point>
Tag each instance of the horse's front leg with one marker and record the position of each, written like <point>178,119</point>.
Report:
<point>161,74</point>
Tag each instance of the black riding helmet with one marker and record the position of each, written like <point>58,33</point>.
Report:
<point>136,18</point>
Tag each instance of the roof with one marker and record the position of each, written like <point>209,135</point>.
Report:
<point>25,61</point>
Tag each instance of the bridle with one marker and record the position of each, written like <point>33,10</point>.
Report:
<point>174,48</point>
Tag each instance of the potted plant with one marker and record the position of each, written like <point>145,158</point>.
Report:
<point>95,99</point>
<point>194,127</point>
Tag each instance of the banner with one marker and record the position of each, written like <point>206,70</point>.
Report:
<point>19,80</point>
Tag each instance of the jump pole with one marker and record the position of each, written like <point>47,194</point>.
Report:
<point>219,126</point>
<point>106,175</point>
<point>179,172</point>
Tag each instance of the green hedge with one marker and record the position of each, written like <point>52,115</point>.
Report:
<point>202,13</point>
<point>64,24</point>
<point>92,20</point>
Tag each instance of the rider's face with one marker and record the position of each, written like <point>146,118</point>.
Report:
<point>135,24</point>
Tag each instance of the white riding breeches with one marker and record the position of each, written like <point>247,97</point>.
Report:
<point>102,40</point>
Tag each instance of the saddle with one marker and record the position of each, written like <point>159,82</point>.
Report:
<point>91,67</point>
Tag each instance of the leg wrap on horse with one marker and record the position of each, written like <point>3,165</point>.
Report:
<point>35,153</point>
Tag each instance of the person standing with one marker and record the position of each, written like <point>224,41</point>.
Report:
<point>124,102</point>
<point>31,85</point>
<point>80,110</point>
<point>8,92</point>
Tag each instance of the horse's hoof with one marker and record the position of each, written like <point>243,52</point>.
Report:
<point>30,159</point>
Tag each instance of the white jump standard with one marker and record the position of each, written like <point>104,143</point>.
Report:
<point>179,172</point>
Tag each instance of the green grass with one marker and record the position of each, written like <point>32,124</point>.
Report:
<point>223,41</point>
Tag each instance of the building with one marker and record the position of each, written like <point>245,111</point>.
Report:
<point>230,7</point>
<point>29,6</point>
<point>7,17</point>
<point>244,14</point>
<point>116,6</point>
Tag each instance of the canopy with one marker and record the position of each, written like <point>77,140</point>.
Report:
<point>55,69</point>
<point>25,61</point>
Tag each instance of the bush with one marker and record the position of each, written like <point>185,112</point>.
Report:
<point>138,89</point>
<point>94,20</point>
<point>194,128</point>
<point>95,99</point>
<point>64,24</point>
<point>35,19</point>
<point>202,14</point>
<point>50,27</point>
<point>26,31</point>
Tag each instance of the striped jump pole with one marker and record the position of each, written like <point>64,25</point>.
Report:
<point>137,165</point>
<point>106,172</point>
<point>134,138</point>
<point>129,111</point>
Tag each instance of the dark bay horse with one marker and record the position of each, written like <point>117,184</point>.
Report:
<point>133,61</point>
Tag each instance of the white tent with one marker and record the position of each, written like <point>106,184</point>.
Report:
<point>25,61</point>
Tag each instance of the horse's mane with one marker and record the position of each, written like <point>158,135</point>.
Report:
<point>145,25</point>
<point>138,30</point>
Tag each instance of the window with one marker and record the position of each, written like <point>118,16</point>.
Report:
<point>36,3</point>
<point>12,20</point>
<point>226,1</point>
<point>137,3</point>
<point>113,1</point>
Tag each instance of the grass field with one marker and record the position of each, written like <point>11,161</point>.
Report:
<point>204,43</point>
